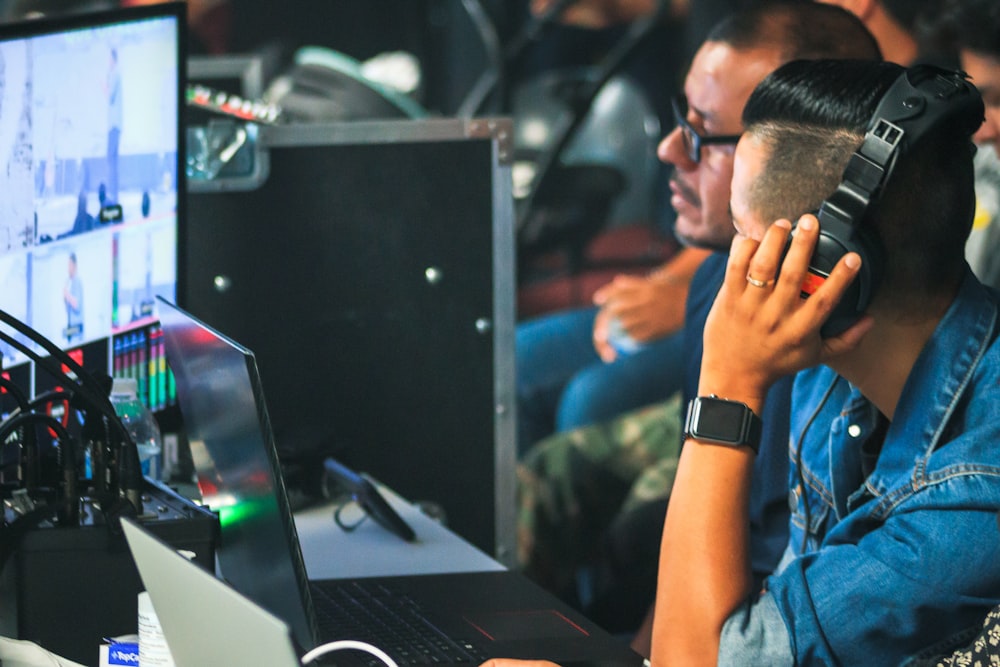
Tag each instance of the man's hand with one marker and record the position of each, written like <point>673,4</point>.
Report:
<point>762,329</point>
<point>647,307</point>
<point>507,662</point>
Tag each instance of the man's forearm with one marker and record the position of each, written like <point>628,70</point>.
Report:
<point>704,559</point>
<point>705,571</point>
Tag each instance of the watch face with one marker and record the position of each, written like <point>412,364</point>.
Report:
<point>719,420</point>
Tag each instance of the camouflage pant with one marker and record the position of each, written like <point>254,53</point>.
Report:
<point>572,485</point>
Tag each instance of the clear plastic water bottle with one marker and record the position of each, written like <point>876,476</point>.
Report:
<point>620,340</point>
<point>140,423</point>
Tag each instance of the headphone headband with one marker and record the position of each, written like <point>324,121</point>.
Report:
<point>922,98</point>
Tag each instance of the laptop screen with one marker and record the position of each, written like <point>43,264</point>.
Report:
<point>222,405</point>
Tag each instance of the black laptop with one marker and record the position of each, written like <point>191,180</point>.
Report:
<point>460,618</point>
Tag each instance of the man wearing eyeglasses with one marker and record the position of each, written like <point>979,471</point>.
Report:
<point>738,53</point>
<point>588,366</point>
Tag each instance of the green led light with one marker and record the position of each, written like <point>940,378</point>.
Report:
<point>245,511</point>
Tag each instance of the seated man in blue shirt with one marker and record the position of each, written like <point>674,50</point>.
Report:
<point>568,494</point>
<point>895,474</point>
<point>895,470</point>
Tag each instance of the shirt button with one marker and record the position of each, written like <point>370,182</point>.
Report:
<point>854,430</point>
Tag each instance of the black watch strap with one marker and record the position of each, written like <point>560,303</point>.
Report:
<point>723,422</point>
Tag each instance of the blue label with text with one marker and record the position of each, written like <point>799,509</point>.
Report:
<point>124,653</point>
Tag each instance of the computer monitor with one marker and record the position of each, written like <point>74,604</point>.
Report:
<point>92,171</point>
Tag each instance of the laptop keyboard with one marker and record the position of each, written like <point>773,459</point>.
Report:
<point>370,612</point>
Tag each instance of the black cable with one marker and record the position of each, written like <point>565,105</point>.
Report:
<point>130,470</point>
<point>28,460</point>
<point>48,398</point>
<point>83,379</point>
<point>67,457</point>
<point>494,79</point>
<point>798,464</point>
<point>14,391</point>
<point>15,421</point>
<point>84,383</point>
<point>82,392</point>
<point>23,405</point>
<point>51,396</point>
<point>94,434</point>
<point>344,526</point>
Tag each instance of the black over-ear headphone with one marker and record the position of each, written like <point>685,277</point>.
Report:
<point>922,98</point>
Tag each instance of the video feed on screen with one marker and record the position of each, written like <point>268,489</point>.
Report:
<point>88,168</point>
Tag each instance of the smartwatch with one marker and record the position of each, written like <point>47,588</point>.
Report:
<point>723,422</point>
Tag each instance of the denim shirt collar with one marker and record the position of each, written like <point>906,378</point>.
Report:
<point>937,384</point>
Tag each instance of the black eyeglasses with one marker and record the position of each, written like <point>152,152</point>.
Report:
<point>693,140</point>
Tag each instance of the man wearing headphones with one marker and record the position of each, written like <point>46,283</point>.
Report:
<point>569,491</point>
<point>893,343</point>
<point>895,470</point>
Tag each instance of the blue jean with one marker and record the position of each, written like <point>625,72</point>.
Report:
<point>562,383</point>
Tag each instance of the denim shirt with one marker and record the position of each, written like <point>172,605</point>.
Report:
<point>904,559</point>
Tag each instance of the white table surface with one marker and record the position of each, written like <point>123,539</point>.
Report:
<point>371,551</point>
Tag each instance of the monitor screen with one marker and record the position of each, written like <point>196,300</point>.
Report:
<point>91,164</point>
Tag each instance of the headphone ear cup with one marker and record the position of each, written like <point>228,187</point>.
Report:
<point>858,296</point>
<point>836,240</point>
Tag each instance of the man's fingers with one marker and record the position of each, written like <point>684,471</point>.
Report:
<point>828,294</point>
<point>795,265</point>
<point>763,267</point>
<point>507,662</point>
<point>740,254</point>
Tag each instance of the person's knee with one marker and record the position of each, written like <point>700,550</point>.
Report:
<point>591,396</point>
<point>536,369</point>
